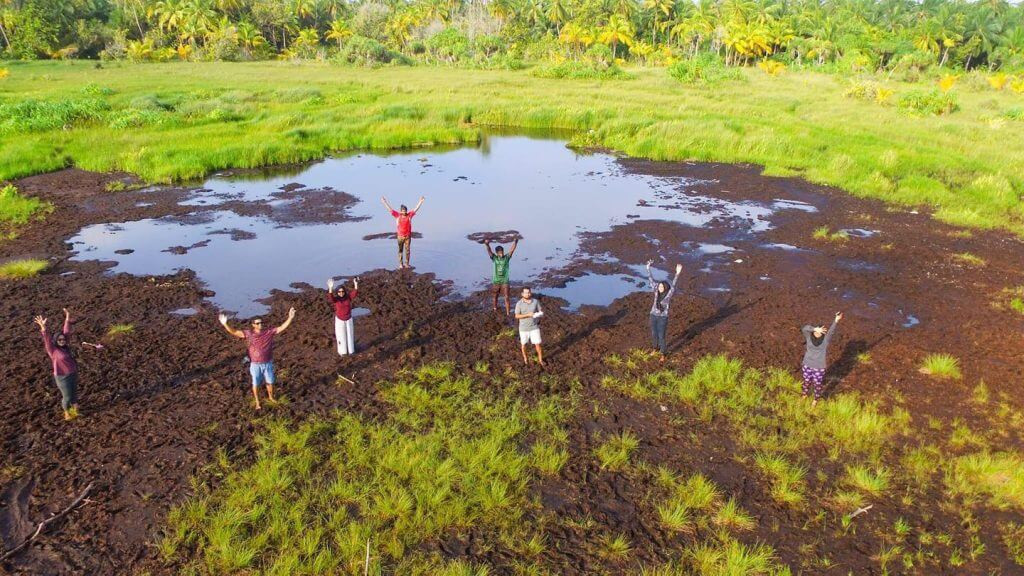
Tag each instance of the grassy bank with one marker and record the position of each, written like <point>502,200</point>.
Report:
<point>183,120</point>
<point>459,454</point>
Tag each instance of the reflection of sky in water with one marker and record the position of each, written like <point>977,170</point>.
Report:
<point>544,190</point>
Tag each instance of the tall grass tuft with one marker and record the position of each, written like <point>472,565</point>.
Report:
<point>27,268</point>
<point>614,452</point>
<point>941,366</point>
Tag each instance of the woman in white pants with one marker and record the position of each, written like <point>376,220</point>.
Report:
<point>344,326</point>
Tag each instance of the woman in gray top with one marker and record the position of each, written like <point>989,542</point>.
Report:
<point>663,292</point>
<point>817,340</point>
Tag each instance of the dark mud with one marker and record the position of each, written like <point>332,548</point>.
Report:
<point>160,402</point>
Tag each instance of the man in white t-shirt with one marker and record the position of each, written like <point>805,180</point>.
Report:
<point>528,312</point>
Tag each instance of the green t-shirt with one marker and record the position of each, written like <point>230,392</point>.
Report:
<point>501,268</point>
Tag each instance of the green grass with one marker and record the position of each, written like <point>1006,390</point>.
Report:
<point>448,458</point>
<point>120,329</point>
<point>826,233</point>
<point>785,479</point>
<point>997,476</point>
<point>27,268</point>
<point>614,452</point>
<point>941,366</point>
<point>1013,538</point>
<point>873,482</point>
<point>185,119</point>
<point>969,259</point>
<point>16,210</point>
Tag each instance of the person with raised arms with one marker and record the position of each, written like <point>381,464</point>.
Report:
<point>65,367</point>
<point>403,221</point>
<point>499,280</point>
<point>344,325</point>
<point>663,292</point>
<point>816,340</point>
<point>528,312</point>
<point>260,342</point>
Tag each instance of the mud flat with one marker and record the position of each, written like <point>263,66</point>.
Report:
<point>159,403</point>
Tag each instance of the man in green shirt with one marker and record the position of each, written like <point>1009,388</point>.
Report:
<point>500,279</point>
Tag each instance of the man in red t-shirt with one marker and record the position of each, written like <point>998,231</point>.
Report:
<point>261,352</point>
<point>403,220</point>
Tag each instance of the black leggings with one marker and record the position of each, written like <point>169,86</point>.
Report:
<point>68,385</point>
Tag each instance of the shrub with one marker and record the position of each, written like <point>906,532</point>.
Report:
<point>869,91</point>
<point>449,45</point>
<point>575,69</point>
<point>134,118</point>
<point>928,103</point>
<point>363,51</point>
<point>703,69</point>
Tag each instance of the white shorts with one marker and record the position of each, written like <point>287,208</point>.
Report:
<point>531,337</point>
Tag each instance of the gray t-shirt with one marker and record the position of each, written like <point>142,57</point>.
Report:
<point>815,356</point>
<point>531,307</point>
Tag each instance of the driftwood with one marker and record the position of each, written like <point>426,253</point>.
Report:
<point>346,379</point>
<point>860,511</point>
<point>42,525</point>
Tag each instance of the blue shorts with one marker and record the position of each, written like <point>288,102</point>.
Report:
<point>261,372</point>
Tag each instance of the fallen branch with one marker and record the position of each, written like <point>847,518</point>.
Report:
<point>860,511</point>
<point>42,525</point>
<point>346,380</point>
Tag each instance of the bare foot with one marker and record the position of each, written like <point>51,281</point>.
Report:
<point>526,361</point>
<point>258,407</point>
<point>814,403</point>
<point>67,415</point>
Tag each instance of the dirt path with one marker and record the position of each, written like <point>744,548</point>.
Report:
<point>160,402</point>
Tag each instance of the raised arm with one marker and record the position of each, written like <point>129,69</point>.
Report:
<point>288,322</point>
<point>224,322</point>
<point>67,323</point>
<point>355,288</point>
<point>650,276</point>
<point>419,204</point>
<point>386,204</point>
<point>490,253</point>
<point>42,330</point>
<point>512,251</point>
<point>679,270</point>
<point>832,329</point>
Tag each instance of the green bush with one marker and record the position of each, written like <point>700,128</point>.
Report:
<point>579,70</point>
<point>363,51</point>
<point>135,117</point>
<point>449,45</point>
<point>17,209</point>
<point>703,69</point>
<point>1015,114</point>
<point>38,115</point>
<point>928,103</point>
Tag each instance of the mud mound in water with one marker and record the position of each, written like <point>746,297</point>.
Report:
<point>389,236</point>
<point>503,237</point>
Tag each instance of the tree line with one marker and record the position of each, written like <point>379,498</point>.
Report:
<point>872,34</point>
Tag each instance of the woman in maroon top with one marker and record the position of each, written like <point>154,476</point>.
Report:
<point>344,327</point>
<point>65,368</point>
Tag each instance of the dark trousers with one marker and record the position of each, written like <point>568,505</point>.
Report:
<point>659,327</point>
<point>68,386</point>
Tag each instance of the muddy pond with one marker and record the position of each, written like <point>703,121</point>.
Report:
<point>246,234</point>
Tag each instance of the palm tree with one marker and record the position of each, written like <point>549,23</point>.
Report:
<point>617,31</point>
<point>249,38</point>
<point>557,13</point>
<point>339,31</point>
<point>660,10</point>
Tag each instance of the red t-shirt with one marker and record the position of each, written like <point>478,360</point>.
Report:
<point>343,306</point>
<point>261,346</point>
<point>404,222</point>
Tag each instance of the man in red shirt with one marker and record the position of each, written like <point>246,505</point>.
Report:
<point>403,219</point>
<point>261,352</point>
